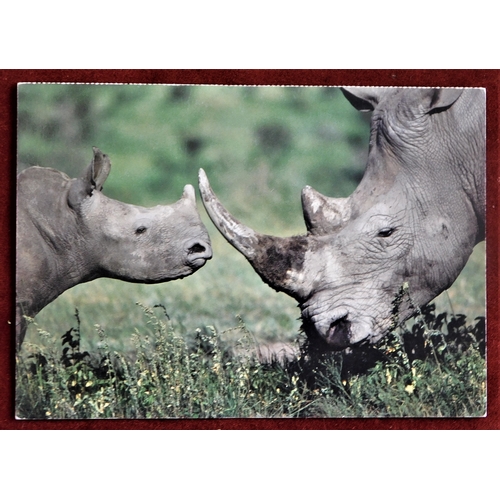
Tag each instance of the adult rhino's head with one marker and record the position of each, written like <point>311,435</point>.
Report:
<point>410,225</point>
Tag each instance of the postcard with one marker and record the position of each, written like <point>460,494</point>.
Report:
<point>212,251</point>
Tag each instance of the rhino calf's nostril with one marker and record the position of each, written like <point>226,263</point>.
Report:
<point>198,253</point>
<point>196,248</point>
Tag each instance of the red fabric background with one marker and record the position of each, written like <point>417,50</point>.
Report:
<point>489,79</point>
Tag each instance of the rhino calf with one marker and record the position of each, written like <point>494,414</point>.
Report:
<point>68,233</point>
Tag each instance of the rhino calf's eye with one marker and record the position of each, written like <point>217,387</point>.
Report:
<point>386,232</point>
<point>140,230</point>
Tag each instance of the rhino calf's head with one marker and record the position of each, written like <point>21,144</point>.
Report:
<point>69,232</point>
<point>137,244</point>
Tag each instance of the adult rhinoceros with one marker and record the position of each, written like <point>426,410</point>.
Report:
<point>411,223</point>
<point>68,233</point>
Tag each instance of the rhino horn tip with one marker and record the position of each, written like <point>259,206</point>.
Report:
<point>311,199</point>
<point>189,193</point>
<point>203,179</point>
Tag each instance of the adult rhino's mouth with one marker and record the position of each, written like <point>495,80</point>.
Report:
<point>339,333</point>
<point>334,328</point>
<point>337,328</point>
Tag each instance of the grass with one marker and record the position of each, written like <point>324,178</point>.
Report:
<point>424,372</point>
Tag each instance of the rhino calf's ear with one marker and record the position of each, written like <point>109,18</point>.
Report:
<point>99,168</point>
<point>93,178</point>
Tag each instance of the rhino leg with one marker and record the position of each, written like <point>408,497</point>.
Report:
<point>21,326</point>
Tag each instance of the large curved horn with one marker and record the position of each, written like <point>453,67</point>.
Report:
<point>322,214</point>
<point>278,261</point>
<point>244,239</point>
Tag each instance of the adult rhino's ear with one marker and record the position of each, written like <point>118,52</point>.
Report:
<point>363,98</point>
<point>435,100</point>
<point>92,179</point>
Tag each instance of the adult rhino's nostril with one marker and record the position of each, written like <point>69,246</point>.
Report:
<point>339,322</point>
<point>337,335</point>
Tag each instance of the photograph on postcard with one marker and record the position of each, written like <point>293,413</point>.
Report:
<point>220,251</point>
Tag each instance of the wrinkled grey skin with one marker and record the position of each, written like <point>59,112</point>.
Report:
<point>68,233</point>
<point>410,225</point>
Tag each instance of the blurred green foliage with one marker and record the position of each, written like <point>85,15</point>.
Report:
<point>259,145</point>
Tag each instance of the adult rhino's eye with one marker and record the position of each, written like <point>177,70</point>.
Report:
<point>140,230</point>
<point>386,232</point>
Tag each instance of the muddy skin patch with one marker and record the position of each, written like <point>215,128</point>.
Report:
<point>276,257</point>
